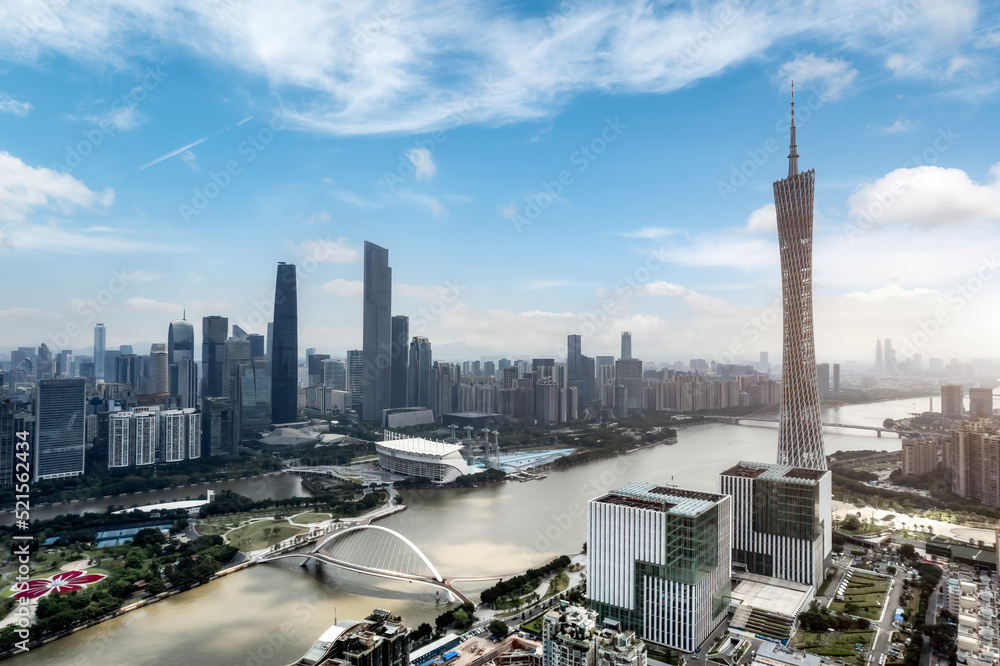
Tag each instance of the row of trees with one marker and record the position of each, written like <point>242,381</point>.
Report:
<point>525,582</point>
<point>819,618</point>
<point>230,502</point>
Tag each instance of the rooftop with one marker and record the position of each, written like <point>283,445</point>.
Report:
<point>668,499</point>
<point>773,472</point>
<point>773,595</point>
<point>418,445</point>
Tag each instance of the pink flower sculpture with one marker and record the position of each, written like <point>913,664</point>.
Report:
<point>66,581</point>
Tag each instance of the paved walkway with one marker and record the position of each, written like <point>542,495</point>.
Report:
<point>960,532</point>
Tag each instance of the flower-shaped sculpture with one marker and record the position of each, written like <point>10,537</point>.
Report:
<point>66,581</point>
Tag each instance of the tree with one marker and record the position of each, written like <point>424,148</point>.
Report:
<point>462,619</point>
<point>907,551</point>
<point>499,628</point>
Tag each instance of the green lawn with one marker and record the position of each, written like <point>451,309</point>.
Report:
<point>840,645</point>
<point>307,518</point>
<point>257,535</point>
<point>534,625</point>
<point>558,584</point>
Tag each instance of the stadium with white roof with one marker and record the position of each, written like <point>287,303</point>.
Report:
<point>441,462</point>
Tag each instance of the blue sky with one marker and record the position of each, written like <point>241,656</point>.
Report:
<point>159,156</point>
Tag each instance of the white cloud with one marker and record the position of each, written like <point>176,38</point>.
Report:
<point>538,285</point>
<point>345,288</point>
<point>763,220</point>
<point>349,68</point>
<point>724,251</point>
<point>427,201</point>
<point>24,188</point>
<point>422,163</point>
<point>120,119</point>
<point>11,105</point>
<point>651,233</point>
<point>26,315</point>
<point>899,126</point>
<point>141,276</point>
<point>353,199</point>
<point>150,305</point>
<point>928,196</point>
<point>830,76</point>
<point>331,251</point>
<point>53,238</point>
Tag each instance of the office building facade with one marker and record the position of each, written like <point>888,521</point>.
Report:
<point>377,344</point>
<point>285,347</point>
<point>952,398</point>
<point>214,332</point>
<point>782,520</point>
<point>658,562</point>
<point>100,342</point>
<point>400,360</point>
<point>418,392</point>
<point>60,428</point>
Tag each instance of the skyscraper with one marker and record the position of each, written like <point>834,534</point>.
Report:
<point>823,379</point>
<point>879,362</point>
<point>355,377</point>
<point>952,399</point>
<point>214,331</point>
<point>626,345</point>
<point>418,392</point>
<point>60,428</point>
<point>285,348</point>
<point>574,358</point>
<point>99,345</point>
<point>377,347</point>
<point>800,428</point>
<point>400,360</point>
<point>158,375</point>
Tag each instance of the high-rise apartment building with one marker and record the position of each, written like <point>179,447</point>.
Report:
<point>133,437</point>
<point>418,392</point>
<point>920,456</point>
<point>285,347</point>
<point>377,324</point>
<point>836,379</point>
<point>574,358</point>
<point>879,358</point>
<point>60,428</point>
<point>980,403</point>
<point>952,398</point>
<point>220,428</point>
<point>626,345</point>
<point>658,562</point>
<point>180,434</point>
<point>973,456</point>
<point>781,520</point>
<point>400,360</point>
<point>100,342</point>
<point>800,428</point>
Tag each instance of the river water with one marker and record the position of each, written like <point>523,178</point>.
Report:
<point>271,614</point>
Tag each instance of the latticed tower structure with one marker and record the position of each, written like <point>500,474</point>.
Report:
<point>800,429</point>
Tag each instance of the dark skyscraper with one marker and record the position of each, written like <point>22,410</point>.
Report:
<point>800,428</point>
<point>626,345</point>
<point>60,407</point>
<point>377,348</point>
<point>182,371</point>
<point>285,348</point>
<point>214,331</point>
<point>574,358</point>
<point>419,374</point>
<point>400,338</point>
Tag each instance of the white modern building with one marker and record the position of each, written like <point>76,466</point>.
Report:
<point>782,520</point>
<point>133,437</point>
<point>658,562</point>
<point>181,436</point>
<point>441,462</point>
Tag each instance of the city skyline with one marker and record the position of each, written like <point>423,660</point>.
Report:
<point>903,214</point>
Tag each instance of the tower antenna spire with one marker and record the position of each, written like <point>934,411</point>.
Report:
<point>793,155</point>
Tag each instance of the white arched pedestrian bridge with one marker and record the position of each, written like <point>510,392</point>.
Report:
<point>376,551</point>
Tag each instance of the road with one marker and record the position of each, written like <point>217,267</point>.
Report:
<point>885,626</point>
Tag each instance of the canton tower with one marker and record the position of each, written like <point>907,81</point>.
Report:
<point>800,428</point>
